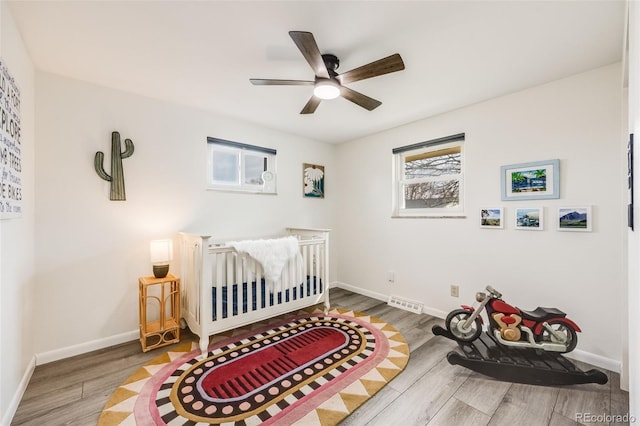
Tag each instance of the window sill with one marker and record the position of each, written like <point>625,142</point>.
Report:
<point>431,216</point>
<point>241,191</point>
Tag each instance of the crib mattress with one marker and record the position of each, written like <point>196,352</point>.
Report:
<point>314,286</point>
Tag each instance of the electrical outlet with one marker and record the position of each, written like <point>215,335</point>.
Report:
<point>455,290</point>
<point>391,276</point>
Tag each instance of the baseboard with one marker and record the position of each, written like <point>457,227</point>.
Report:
<point>360,290</point>
<point>17,397</point>
<point>595,360</point>
<point>83,348</point>
<point>578,355</point>
<point>385,297</point>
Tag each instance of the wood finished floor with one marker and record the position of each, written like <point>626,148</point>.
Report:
<point>429,391</point>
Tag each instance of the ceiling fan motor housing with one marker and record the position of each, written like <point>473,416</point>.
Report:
<point>332,63</point>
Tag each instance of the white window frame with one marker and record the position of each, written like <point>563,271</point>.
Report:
<point>268,185</point>
<point>399,179</point>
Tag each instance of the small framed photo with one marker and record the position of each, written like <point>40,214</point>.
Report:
<point>529,218</point>
<point>312,180</point>
<point>492,218</point>
<point>575,219</point>
<point>530,181</point>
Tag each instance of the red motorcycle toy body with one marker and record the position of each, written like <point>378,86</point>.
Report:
<point>543,328</point>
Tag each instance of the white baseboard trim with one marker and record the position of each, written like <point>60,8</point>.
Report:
<point>83,348</point>
<point>595,360</point>
<point>17,397</point>
<point>435,312</point>
<point>385,297</point>
<point>360,290</point>
<point>578,355</point>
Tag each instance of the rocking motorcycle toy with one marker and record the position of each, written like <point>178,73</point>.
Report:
<point>547,329</point>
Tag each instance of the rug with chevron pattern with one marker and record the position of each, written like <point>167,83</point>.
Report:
<point>307,369</point>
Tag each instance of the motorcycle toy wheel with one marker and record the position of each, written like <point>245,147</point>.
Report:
<point>455,321</point>
<point>571,337</point>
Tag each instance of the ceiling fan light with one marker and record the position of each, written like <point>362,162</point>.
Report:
<point>326,89</point>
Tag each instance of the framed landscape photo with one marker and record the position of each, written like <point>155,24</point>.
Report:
<point>530,181</point>
<point>529,218</point>
<point>575,219</point>
<point>492,218</point>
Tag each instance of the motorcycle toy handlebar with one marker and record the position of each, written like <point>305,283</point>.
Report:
<point>495,292</point>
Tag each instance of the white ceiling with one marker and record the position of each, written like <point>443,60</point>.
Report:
<point>202,53</point>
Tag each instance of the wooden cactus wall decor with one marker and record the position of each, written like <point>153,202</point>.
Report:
<point>117,174</point>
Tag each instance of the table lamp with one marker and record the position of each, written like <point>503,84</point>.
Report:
<point>161,254</point>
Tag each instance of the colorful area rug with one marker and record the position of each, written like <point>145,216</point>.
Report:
<point>306,369</point>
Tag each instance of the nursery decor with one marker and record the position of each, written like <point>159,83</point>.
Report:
<point>117,173</point>
<point>492,218</point>
<point>160,254</point>
<point>159,300</point>
<point>10,146</point>
<point>224,289</point>
<point>529,181</point>
<point>574,219</point>
<point>531,219</point>
<point>313,180</point>
<point>518,346</point>
<point>630,181</point>
<point>303,368</point>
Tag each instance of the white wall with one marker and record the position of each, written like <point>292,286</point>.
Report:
<point>91,250</point>
<point>577,120</point>
<point>17,237</point>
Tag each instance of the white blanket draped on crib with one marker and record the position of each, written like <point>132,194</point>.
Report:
<point>272,254</point>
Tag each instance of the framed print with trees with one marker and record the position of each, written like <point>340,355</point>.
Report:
<point>312,180</point>
<point>530,181</point>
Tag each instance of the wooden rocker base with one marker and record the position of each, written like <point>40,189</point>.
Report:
<point>519,365</point>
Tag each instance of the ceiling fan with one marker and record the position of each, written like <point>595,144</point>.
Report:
<point>328,84</point>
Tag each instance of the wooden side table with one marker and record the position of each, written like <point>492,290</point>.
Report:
<point>163,294</point>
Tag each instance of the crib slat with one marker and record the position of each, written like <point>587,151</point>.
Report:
<point>231,259</point>
<point>314,271</point>
<point>305,270</point>
<point>242,277</point>
<point>291,277</point>
<point>220,270</point>
<point>261,302</point>
<point>252,292</point>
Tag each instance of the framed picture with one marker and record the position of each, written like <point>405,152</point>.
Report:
<point>492,218</point>
<point>530,181</point>
<point>575,219</point>
<point>630,182</point>
<point>312,180</point>
<point>529,218</point>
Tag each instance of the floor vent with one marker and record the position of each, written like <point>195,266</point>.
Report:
<point>406,304</point>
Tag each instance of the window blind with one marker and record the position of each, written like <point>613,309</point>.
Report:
<point>432,142</point>
<point>241,145</point>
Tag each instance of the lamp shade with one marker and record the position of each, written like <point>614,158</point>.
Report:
<point>161,251</point>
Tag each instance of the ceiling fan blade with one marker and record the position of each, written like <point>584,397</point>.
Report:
<point>311,105</point>
<point>382,66</point>
<point>309,49</point>
<point>272,82</point>
<point>359,99</point>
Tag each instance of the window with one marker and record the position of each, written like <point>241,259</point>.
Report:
<point>428,178</point>
<point>237,166</point>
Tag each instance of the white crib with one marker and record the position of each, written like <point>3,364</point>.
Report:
<point>223,289</point>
